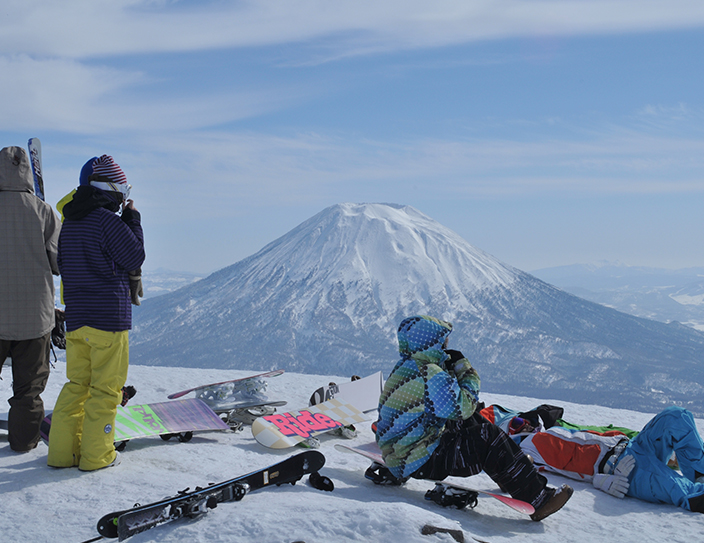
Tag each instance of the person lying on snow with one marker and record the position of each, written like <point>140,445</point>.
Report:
<point>428,426</point>
<point>620,466</point>
<point>512,421</point>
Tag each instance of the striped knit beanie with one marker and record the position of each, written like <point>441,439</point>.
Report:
<point>105,174</point>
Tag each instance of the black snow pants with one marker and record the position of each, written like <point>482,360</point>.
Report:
<point>30,372</point>
<point>477,445</point>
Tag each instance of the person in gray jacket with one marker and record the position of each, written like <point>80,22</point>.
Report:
<point>29,233</point>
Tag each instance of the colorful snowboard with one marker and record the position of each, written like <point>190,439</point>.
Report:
<point>182,416</point>
<point>284,430</point>
<point>372,452</point>
<point>362,393</point>
<point>195,389</point>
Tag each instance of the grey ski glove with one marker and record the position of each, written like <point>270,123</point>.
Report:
<point>616,484</point>
<point>625,465</point>
<point>136,290</point>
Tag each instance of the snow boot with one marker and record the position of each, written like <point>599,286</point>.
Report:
<point>557,497</point>
<point>381,475</point>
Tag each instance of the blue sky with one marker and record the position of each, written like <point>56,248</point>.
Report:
<point>544,132</point>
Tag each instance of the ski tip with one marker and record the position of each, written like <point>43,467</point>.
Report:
<point>312,460</point>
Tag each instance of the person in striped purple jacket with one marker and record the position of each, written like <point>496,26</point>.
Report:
<point>97,250</point>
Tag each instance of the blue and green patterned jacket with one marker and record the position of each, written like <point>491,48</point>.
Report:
<point>422,395</point>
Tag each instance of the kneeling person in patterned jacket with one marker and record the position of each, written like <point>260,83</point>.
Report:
<point>428,427</point>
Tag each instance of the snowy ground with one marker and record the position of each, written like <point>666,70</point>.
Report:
<point>40,504</point>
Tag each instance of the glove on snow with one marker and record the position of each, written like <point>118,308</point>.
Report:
<point>616,485</point>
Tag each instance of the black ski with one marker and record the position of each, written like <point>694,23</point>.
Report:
<point>123,524</point>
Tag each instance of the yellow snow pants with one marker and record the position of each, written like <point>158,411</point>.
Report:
<point>82,424</point>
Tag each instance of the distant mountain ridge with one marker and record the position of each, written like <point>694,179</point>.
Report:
<point>654,293</point>
<point>327,297</point>
<point>161,281</point>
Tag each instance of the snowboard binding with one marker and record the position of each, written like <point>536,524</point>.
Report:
<point>183,437</point>
<point>381,475</point>
<point>448,496</point>
<point>220,397</point>
<point>246,415</point>
<point>128,392</point>
<point>321,482</point>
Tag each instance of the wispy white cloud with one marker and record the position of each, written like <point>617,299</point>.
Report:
<point>57,58</point>
<point>87,74</point>
<point>77,98</point>
<point>95,28</point>
<point>210,184</point>
<point>59,94</point>
<point>249,170</point>
<point>672,119</point>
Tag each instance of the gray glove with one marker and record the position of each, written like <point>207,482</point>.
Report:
<point>616,484</point>
<point>625,465</point>
<point>136,290</point>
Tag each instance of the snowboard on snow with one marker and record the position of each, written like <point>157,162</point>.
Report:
<point>224,386</point>
<point>284,430</point>
<point>363,393</point>
<point>238,401</point>
<point>372,452</point>
<point>125,523</point>
<point>180,418</point>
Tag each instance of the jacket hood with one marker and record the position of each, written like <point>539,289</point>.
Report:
<point>86,199</point>
<point>421,338</point>
<point>15,170</point>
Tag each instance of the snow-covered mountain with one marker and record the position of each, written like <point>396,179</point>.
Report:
<point>327,297</point>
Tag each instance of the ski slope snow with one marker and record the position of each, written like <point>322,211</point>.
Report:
<point>41,504</point>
